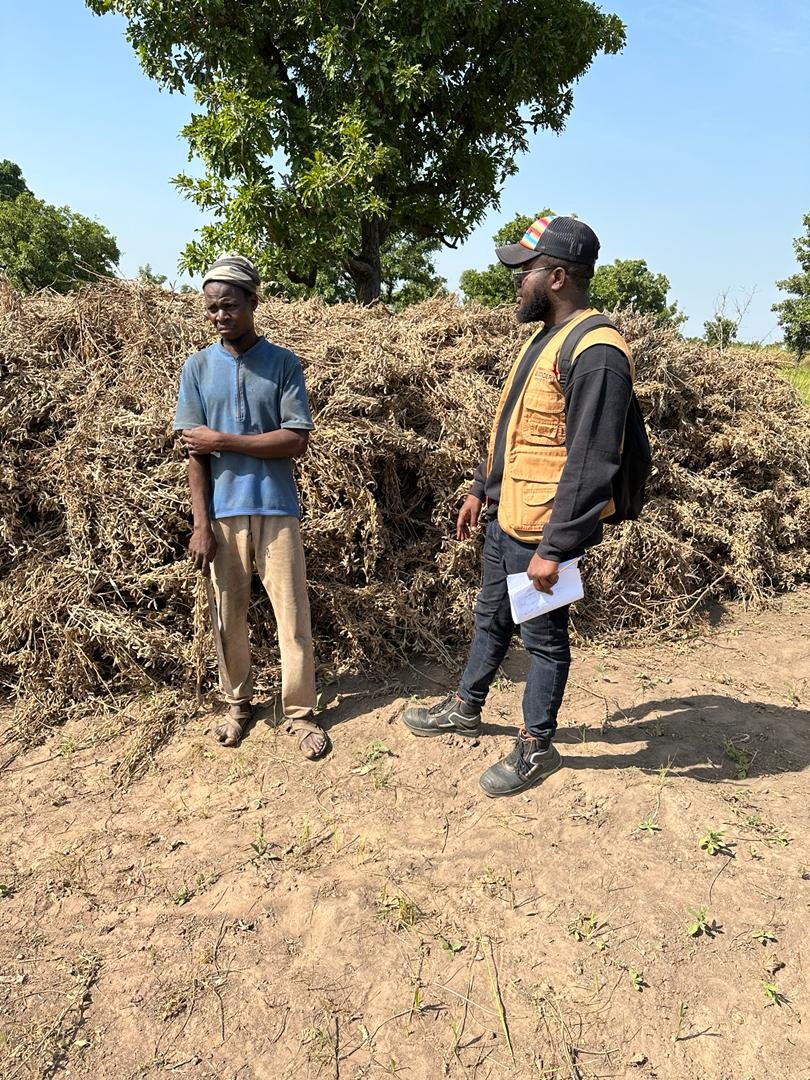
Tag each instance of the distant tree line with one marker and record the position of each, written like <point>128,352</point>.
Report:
<point>48,247</point>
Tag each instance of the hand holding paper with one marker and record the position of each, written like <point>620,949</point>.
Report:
<point>528,602</point>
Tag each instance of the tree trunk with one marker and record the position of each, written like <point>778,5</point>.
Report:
<point>365,269</point>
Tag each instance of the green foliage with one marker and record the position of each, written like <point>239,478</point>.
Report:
<point>698,923</point>
<point>800,377</point>
<point>325,129</point>
<point>794,312</point>
<point>12,183</point>
<point>741,758</point>
<point>629,283</point>
<point>773,995</point>
<point>493,286</point>
<point>407,272</point>
<point>714,842</point>
<point>44,246</point>
<point>720,331</point>
<point>147,275</point>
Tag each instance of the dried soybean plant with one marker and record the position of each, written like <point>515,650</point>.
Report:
<point>97,600</point>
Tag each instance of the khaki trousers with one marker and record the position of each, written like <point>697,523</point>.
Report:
<point>274,545</point>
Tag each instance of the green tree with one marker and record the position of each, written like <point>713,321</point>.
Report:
<point>794,312</point>
<point>12,183</point>
<point>720,331</point>
<point>148,276</point>
<point>494,286</point>
<point>629,283</point>
<point>407,272</point>
<point>326,128</point>
<point>44,246</point>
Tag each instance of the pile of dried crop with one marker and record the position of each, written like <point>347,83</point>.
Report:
<point>98,602</point>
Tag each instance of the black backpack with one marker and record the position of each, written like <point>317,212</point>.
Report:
<point>629,483</point>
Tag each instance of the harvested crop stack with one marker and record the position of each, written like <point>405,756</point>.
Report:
<point>97,600</point>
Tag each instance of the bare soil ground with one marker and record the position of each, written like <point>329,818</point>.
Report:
<point>245,914</point>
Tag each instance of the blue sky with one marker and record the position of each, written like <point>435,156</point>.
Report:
<point>689,149</point>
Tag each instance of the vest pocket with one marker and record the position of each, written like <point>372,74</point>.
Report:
<point>530,486</point>
<point>543,420</point>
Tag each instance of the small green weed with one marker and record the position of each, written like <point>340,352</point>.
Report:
<point>683,1008</point>
<point>779,838</point>
<point>763,936</point>
<point>741,758</point>
<point>260,845</point>
<point>452,947</point>
<point>586,928</point>
<point>636,979</point>
<point>773,994</point>
<point>371,761</point>
<point>714,842</point>
<point>698,924</point>
<point>397,910</point>
<point>649,825</point>
<point>182,896</point>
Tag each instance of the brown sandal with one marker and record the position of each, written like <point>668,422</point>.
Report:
<point>229,732</point>
<point>313,742</point>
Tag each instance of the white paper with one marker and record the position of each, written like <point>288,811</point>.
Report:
<point>528,602</point>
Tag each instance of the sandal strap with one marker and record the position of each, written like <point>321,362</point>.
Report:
<point>304,725</point>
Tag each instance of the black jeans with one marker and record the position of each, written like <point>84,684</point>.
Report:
<point>545,638</point>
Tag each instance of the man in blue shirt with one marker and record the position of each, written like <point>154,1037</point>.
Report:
<point>244,415</point>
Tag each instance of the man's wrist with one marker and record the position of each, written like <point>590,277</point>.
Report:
<point>199,526</point>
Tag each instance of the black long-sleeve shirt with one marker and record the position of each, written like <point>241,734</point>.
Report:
<point>597,395</point>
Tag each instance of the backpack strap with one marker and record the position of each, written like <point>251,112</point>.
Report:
<point>569,346</point>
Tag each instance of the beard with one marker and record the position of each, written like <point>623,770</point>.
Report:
<point>535,309</point>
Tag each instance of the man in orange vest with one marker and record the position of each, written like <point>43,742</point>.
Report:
<point>544,488</point>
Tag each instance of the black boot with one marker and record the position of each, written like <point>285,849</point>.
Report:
<point>531,761</point>
<point>451,716</point>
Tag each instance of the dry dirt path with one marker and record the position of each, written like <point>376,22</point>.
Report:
<point>243,914</point>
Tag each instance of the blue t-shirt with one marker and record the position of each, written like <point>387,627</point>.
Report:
<point>261,390</point>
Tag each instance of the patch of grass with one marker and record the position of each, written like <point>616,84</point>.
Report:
<point>398,910</point>
<point>371,761</point>
<point>587,927</point>
<point>800,377</point>
<point>318,1045</point>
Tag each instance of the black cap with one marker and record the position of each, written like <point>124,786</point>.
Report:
<point>560,237</point>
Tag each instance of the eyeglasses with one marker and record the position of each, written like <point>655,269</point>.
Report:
<point>519,275</point>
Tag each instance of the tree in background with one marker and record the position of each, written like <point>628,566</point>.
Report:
<point>407,272</point>
<point>626,283</point>
<point>720,331</point>
<point>794,312</point>
<point>629,283</point>
<point>326,129</point>
<point>494,285</point>
<point>147,276</point>
<point>44,246</point>
<point>12,183</point>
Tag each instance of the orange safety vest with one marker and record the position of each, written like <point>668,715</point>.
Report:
<point>534,451</point>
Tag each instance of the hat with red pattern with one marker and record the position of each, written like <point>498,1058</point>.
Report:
<point>560,237</point>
